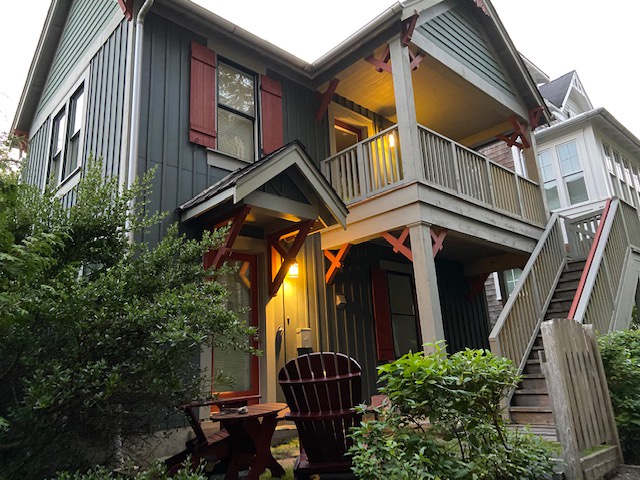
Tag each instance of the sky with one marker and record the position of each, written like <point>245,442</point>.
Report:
<point>556,35</point>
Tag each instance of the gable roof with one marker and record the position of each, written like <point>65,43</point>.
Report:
<point>313,74</point>
<point>556,90</point>
<point>238,185</point>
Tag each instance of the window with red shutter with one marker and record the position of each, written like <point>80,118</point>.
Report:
<point>382,315</point>
<point>202,128</point>
<point>272,128</point>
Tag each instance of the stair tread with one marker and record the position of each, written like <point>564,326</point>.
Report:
<point>531,361</point>
<point>531,409</point>
<point>532,391</point>
<point>533,375</point>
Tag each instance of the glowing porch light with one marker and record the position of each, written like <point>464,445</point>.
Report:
<point>392,140</point>
<point>293,270</point>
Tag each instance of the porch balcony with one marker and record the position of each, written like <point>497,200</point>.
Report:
<point>461,188</point>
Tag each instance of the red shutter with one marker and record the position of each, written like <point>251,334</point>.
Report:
<point>202,129</point>
<point>272,129</point>
<point>382,315</point>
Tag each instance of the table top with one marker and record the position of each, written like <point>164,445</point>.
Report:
<point>253,411</point>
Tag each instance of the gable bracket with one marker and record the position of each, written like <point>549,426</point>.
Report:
<point>236,219</point>
<point>415,59</point>
<point>519,136</point>
<point>281,256</point>
<point>534,116</point>
<point>438,239</point>
<point>407,27</point>
<point>336,261</point>
<point>382,63</point>
<point>398,243</point>
<point>22,139</point>
<point>482,6</point>
<point>127,8</point>
<point>326,98</point>
<point>476,284</point>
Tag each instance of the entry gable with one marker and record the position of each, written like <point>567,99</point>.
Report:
<point>285,184</point>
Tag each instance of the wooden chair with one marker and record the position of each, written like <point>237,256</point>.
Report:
<point>322,390</point>
<point>209,447</point>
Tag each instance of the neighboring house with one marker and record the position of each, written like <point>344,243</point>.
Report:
<point>362,170</point>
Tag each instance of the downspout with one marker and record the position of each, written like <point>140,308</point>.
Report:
<point>135,103</point>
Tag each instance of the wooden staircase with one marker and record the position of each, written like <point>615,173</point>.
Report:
<point>530,404</point>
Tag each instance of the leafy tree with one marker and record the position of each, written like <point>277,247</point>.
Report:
<point>620,352</point>
<point>99,338</point>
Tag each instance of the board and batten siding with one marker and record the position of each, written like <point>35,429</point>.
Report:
<point>181,169</point>
<point>106,92</point>
<point>85,22</point>
<point>35,171</point>
<point>459,34</point>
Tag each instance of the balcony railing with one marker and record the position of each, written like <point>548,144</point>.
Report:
<point>375,165</point>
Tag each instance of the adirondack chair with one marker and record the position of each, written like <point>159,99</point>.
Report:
<point>322,390</point>
<point>209,447</point>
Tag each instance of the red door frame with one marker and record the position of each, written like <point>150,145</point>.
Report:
<point>254,318</point>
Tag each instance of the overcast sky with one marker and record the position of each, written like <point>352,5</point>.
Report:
<point>597,40</point>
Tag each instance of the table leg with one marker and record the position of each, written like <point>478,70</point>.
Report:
<point>261,434</point>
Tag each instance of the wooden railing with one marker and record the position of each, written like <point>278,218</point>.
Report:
<point>367,168</point>
<point>518,324</point>
<point>601,282</point>
<point>580,233</point>
<point>375,165</point>
<point>453,167</point>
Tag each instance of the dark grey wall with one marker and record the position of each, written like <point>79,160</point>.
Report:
<point>105,101</point>
<point>35,170</point>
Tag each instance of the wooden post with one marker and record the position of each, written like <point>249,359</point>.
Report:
<point>424,271</point>
<point>405,110</point>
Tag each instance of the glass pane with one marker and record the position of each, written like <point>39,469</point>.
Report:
<point>77,108</point>
<point>71,156</point>
<point>57,137</point>
<point>546,166</point>
<point>236,89</point>
<point>577,188</point>
<point>235,135</point>
<point>569,159</point>
<point>607,157</point>
<point>234,363</point>
<point>400,294</point>
<point>405,334</point>
<point>551,191</point>
<point>511,279</point>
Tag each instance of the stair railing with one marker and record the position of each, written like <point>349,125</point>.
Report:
<point>600,287</point>
<point>518,324</point>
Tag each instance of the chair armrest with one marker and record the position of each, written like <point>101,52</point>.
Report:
<point>315,416</point>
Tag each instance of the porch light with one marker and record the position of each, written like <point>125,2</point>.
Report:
<point>293,270</point>
<point>392,140</point>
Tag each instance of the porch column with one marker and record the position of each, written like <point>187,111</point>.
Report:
<point>424,272</point>
<point>405,109</point>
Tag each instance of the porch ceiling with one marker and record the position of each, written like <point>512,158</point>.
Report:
<point>445,102</point>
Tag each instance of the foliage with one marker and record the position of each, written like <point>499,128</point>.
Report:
<point>620,352</point>
<point>100,336</point>
<point>157,472</point>
<point>444,421</point>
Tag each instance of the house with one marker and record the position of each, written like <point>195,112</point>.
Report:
<point>364,217</point>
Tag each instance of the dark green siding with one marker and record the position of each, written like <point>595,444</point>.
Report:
<point>36,169</point>
<point>460,35</point>
<point>105,101</point>
<point>181,167</point>
<point>86,20</point>
<point>466,322</point>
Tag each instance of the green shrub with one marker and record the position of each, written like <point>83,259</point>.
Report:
<point>445,422</point>
<point>620,352</point>
<point>155,473</point>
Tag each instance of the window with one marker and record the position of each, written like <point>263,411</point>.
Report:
<point>545,161</point>
<point>511,278</point>
<point>66,136</point>
<point>624,175</point>
<point>236,112</point>
<point>572,173</point>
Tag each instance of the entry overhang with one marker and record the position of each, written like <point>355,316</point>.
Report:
<point>243,187</point>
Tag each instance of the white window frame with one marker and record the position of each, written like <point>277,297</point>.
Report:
<point>71,179</point>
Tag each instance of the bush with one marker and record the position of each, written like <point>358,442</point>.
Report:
<point>155,473</point>
<point>620,352</point>
<point>445,422</point>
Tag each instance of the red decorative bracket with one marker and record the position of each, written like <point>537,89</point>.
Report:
<point>476,284</point>
<point>236,220</point>
<point>519,136</point>
<point>336,261</point>
<point>483,6</point>
<point>382,63</point>
<point>398,243</point>
<point>281,256</point>
<point>534,116</point>
<point>407,27</point>
<point>325,99</point>
<point>415,59</point>
<point>127,8</point>
<point>22,139</point>
<point>438,239</point>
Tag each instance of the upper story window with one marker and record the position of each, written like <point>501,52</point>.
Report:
<point>563,175</point>
<point>236,112</point>
<point>66,131</point>
<point>624,176</point>
<point>572,172</point>
<point>545,161</point>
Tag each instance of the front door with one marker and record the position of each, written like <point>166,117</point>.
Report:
<point>243,299</point>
